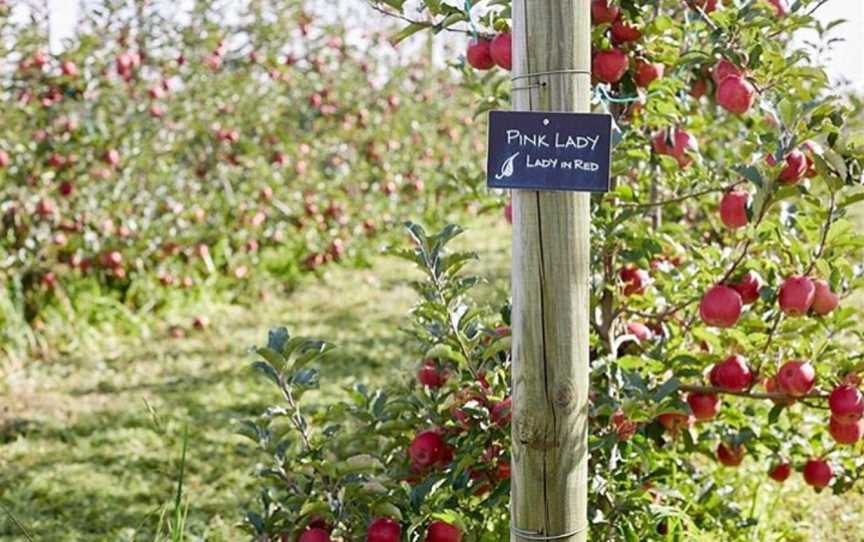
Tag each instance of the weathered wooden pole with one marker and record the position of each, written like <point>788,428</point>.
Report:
<point>551,70</point>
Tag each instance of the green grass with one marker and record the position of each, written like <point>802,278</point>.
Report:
<point>91,444</point>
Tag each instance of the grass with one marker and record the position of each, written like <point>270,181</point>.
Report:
<point>94,447</point>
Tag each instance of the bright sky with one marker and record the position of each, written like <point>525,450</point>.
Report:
<point>847,61</point>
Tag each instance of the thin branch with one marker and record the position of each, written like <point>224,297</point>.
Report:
<point>680,198</point>
<point>409,20</point>
<point>751,394</point>
<point>824,241</point>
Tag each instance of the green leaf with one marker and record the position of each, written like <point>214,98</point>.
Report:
<point>408,31</point>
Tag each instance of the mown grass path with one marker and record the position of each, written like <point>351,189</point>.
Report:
<point>90,444</point>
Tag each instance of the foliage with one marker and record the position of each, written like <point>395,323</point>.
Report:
<point>652,347</point>
<point>157,157</point>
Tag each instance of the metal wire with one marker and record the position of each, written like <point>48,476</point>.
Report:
<point>534,535</point>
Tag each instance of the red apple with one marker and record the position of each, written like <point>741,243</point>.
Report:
<point>684,146</point>
<point>847,433</point>
<point>724,69</point>
<point>112,157</point>
<point>736,95</point>
<point>818,473</point>
<point>4,159</point>
<point>441,531</point>
<point>383,530</point>
<point>721,306</point>
<point>623,32</point>
<point>796,378</point>
<point>730,456</point>
<point>846,403</point>
<point>69,69</point>
<point>733,209</point>
<point>508,212</point>
<point>780,472</point>
<point>673,421</point>
<point>640,331</point>
<point>748,287</point>
<point>478,54</point>
<point>501,50</point>
<point>647,72</point>
<point>314,535</point>
<point>796,295</point>
<point>698,88</point>
<point>781,8</point>
<point>704,405</point>
<point>428,449</point>
<point>635,280</point>
<point>610,66</point>
<point>430,375</point>
<point>824,300</point>
<point>795,168</point>
<point>731,374</point>
<point>603,13</point>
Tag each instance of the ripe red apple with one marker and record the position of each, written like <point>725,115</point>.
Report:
<point>478,54</point>
<point>748,287</point>
<point>4,159</point>
<point>736,95</point>
<point>824,300</point>
<point>635,280</point>
<point>501,50</point>
<point>508,212</point>
<point>721,306</point>
<point>610,66</point>
<point>623,32</point>
<point>730,456</point>
<point>731,374</point>
<point>383,530</point>
<point>647,72</point>
<point>733,209</point>
<point>314,535</point>
<point>796,295</point>
<point>427,449</point>
<point>112,157</point>
<point>781,8</point>
<point>698,88</point>
<point>795,168</point>
<point>818,473</point>
<point>684,146</point>
<point>796,378</point>
<point>430,375</point>
<point>780,472</point>
<point>673,421</point>
<point>846,403</point>
<point>704,405</point>
<point>847,433</point>
<point>603,13</point>
<point>69,69</point>
<point>66,188</point>
<point>724,69</point>
<point>640,331</point>
<point>441,531</point>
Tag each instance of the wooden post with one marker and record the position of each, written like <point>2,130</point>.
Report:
<point>550,289</point>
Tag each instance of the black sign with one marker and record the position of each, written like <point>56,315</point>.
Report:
<point>549,151</point>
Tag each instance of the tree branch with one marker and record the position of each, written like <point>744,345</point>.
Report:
<point>751,394</point>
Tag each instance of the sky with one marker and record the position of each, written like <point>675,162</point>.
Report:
<point>846,62</point>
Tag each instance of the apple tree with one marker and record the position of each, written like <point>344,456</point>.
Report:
<point>724,331</point>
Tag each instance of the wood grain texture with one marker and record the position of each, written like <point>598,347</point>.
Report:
<point>551,289</point>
